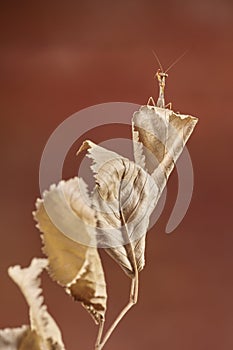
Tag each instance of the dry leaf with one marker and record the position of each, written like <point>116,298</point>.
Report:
<point>65,215</point>
<point>43,333</point>
<point>160,135</point>
<point>11,338</point>
<point>124,197</point>
<point>31,341</point>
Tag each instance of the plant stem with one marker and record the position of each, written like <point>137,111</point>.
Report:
<point>132,301</point>
<point>99,335</point>
<point>133,292</point>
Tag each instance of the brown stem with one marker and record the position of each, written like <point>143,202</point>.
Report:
<point>99,335</point>
<point>133,291</point>
<point>132,301</point>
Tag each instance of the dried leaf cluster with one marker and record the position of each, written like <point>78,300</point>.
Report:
<point>73,224</point>
<point>43,332</point>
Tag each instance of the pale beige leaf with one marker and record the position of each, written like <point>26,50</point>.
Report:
<point>163,134</point>
<point>24,338</point>
<point>123,199</point>
<point>11,338</point>
<point>31,341</point>
<point>65,218</point>
<point>44,332</point>
<point>139,156</point>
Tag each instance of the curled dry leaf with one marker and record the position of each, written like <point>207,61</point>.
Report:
<point>43,333</point>
<point>162,134</point>
<point>127,192</point>
<point>123,199</point>
<point>65,215</point>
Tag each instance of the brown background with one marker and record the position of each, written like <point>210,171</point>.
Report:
<point>59,57</point>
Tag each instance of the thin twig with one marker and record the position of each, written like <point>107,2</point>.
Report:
<point>99,335</point>
<point>133,294</point>
<point>132,302</point>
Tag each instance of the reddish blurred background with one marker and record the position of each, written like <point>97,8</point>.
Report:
<point>58,57</point>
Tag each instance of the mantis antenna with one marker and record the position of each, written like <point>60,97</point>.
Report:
<point>161,75</point>
<point>176,61</point>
